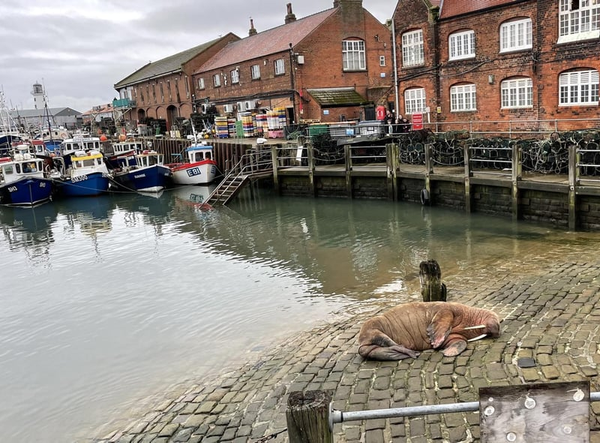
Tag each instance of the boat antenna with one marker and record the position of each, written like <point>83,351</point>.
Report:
<point>193,130</point>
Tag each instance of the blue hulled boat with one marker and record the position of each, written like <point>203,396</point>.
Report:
<point>23,181</point>
<point>87,175</point>
<point>145,173</point>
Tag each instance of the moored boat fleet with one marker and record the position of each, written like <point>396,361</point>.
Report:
<point>32,174</point>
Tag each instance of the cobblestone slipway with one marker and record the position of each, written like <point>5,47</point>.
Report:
<point>552,316</point>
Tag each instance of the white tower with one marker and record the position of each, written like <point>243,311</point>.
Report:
<point>38,96</point>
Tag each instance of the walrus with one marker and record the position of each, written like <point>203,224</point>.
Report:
<point>405,330</point>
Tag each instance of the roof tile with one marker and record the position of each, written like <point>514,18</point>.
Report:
<point>267,42</point>
<point>453,8</point>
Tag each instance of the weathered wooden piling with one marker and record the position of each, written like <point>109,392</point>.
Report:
<point>308,417</point>
<point>430,276</point>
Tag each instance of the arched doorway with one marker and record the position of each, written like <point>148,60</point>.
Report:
<point>172,114</point>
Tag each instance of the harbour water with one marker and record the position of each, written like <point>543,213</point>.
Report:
<point>111,304</point>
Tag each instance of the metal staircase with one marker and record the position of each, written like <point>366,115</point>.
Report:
<point>252,166</point>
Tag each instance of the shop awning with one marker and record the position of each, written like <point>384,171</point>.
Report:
<point>337,97</point>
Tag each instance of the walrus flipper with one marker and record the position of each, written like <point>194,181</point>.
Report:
<point>396,352</point>
<point>440,327</point>
<point>382,347</point>
<point>455,345</point>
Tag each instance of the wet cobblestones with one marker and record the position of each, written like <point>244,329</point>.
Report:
<point>552,317</point>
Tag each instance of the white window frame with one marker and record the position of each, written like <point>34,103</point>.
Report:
<point>235,76</point>
<point>413,52</point>
<point>582,23</point>
<point>201,84</point>
<point>516,35</point>
<point>382,60</point>
<point>353,55</point>
<point>414,101</point>
<point>463,98</point>
<point>217,80</point>
<point>577,88</point>
<point>255,72</point>
<point>279,66</point>
<point>516,93</point>
<point>461,45</point>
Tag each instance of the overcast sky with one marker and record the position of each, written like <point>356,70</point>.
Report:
<point>79,49</point>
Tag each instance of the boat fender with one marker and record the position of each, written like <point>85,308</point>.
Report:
<point>425,197</point>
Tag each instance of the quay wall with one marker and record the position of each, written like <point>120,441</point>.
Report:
<point>535,205</point>
<point>561,200</point>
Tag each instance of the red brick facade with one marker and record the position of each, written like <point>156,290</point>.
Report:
<point>316,59</point>
<point>163,89</point>
<point>527,72</point>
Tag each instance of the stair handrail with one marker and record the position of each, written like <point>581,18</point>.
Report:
<point>239,170</point>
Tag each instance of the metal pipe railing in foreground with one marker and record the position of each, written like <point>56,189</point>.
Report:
<point>336,416</point>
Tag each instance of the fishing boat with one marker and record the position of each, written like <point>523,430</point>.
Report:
<point>23,181</point>
<point>9,132</point>
<point>146,173</point>
<point>122,153</point>
<point>199,168</point>
<point>86,175</point>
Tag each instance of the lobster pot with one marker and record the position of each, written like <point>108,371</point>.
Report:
<point>231,127</point>
<point>261,124</point>
<point>281,117</point>
<point>247,124</point>
<point>221,125</point>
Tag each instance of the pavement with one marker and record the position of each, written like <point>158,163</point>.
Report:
<point>550,315</point>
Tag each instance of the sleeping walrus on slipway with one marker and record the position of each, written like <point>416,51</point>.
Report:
<point>405,330</point>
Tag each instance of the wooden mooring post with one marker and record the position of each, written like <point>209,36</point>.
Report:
<point>307,417</point>
<point>430,276</point>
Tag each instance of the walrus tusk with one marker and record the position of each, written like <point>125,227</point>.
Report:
<point>478,338</point>
<point>474,327</point>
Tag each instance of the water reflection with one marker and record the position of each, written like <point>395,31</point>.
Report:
<point>172,278</point>
<point>29,230</point>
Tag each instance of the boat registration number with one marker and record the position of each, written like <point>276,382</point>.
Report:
<point>12,189</point>
<point>79,178</point>
<point>193,172</point>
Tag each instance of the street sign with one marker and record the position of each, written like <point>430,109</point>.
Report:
<point>417,122</point>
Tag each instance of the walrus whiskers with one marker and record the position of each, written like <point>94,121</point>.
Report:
<point>478,338</point>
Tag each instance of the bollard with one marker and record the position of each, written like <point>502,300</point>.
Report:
<point>307,417</point>
<point>430,276</point>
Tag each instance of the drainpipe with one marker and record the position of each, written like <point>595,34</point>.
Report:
<point>292,83</point>
<point>397,104</point>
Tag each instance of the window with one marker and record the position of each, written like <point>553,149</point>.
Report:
<point>216,80</point>
<point>579,20</point>
<point>412,48</point>
<point>462,98</point>
<point>353,54</point>
<point>462,45</point>
<point>235,76</point>
<point>255,71</point>
<point>517,93</point>
<point>201,84</point>
<point>515,35</point>
<point>579,88</point>
<point>382,60</point>
<point>414,101</point>
<point>279,67</point>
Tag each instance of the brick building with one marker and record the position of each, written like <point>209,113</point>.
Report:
<point>330,66</point>
<point>162,90</point>
<point>531,62</point>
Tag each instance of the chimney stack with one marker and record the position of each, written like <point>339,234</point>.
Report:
<point>290,17</point>
<point>252,30</point>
